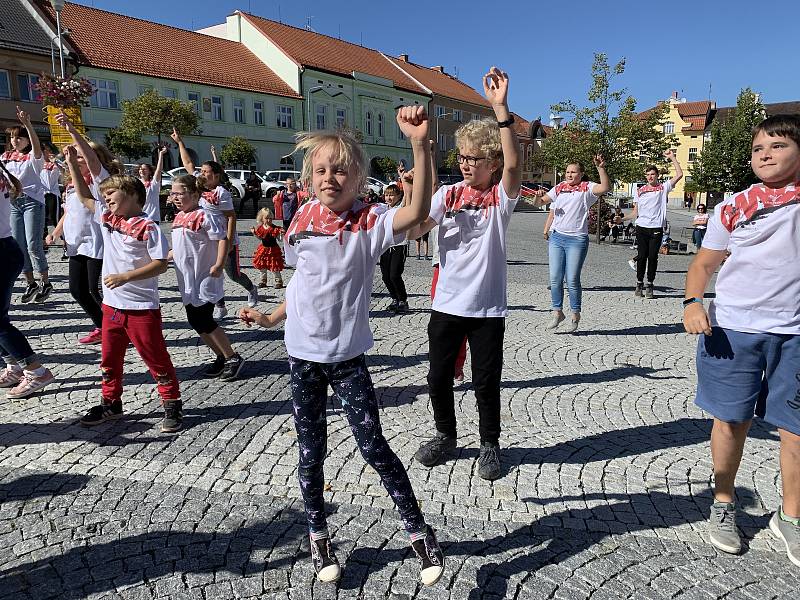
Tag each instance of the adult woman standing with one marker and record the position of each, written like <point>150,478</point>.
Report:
<point>567,229</point>
<point>700,223</point>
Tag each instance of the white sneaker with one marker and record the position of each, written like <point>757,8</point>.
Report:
<point>252,297</point>
<point>220,311</point>
<point>632,264</point>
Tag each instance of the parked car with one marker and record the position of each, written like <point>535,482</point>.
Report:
<point>238,178</point>
<point>376,185</point>
<point>450,179</point>
<point>276,181</point>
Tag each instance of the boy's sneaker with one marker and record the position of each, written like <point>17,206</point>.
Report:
<point>252,297</point>
<point>789,533</point>
<point>220,310</point>
<point>392,306</point>
<point>30,293</point>
<point>632,263</point>
<point>173,416</point>
<point>639,291</point>
<point>722,531</point>
<point>9,377</point>
<point>44,292</point>
<point>431,558</point>
<point>402,307</point>
<point>325,562</point>
<point>435,450</point>
<point>233,366</point>
<point>95,337</point>
<point>648,291</point>
<point>489,461</point>
<point>216,368</point>
<point>103,412</point>
<point>29,384</point>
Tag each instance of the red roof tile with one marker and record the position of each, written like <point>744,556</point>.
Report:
<point>440,83</point>
<point>121,43</point>
<point>522,127</point>
<point>695,124</point>
<point>694,109</point>
<point>318,51</point>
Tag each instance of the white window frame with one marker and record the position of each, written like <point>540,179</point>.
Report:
<point>143,88</point>
<point>669,127</point>
<point>321,119</point>
<point>285,116</point>
<point>217,115</point>
<point>341,118</point>
<point>439,111</point>
<point>381,125</point>
<point>400,135</point>
<point>29,83</point>
<point>368,123</point>
<point>197,101</point>
<point>693,152</point>
<point>170,93</point>
<point>109,92</point>
<point>8,83</point>
<point>456,115</point>
<point>238,110</point>
<point>258,112</point>
<point>442,141</point>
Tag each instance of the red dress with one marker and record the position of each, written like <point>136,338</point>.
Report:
<point>268,256</point>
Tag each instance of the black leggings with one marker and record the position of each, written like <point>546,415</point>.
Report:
<point>393,261</point>
<point>84,285</point>
<point>201,318</point>
<point>648,242</point>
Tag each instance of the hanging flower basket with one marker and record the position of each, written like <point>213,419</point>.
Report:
<point>64,92</point>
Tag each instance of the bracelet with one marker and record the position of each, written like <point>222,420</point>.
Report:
<point>689,301</point>
<point>507,123</point>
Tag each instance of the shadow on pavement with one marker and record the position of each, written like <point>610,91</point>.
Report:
<point>39,485</point>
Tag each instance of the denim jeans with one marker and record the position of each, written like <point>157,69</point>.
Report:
<point>697,236</point>
<point>12,343</point>
<point>27,226</point>
<point>352,384</point>
<point>567,253</point>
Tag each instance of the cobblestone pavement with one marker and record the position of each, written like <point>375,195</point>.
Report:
<point>607,463</point>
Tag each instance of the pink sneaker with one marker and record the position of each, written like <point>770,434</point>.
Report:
<point>95,337</point>
<point>30,384</point>
<point>10,377</point>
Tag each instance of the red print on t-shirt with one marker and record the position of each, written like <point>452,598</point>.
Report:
<point>14,156</point>
<point>135,227</point>
<point>193,221</point>
<point>567,188</point>
<point>756,202</point>
<point>211,197</point>
<point>463,197</point>
<point>644,189</point>
<point>320,220</point>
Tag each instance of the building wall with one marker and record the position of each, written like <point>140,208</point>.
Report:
<point>241,30</point>
<point>686,142</point>
<point>443,129</point>
<point>14,63</point>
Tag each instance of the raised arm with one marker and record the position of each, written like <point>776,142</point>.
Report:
<point>214,153</point>
<point>188,164</point>
<point>160,164</point>
<point>81,189</point>
<point>25,119</point>
<point>676,166</point>
<point>495,88</point>
<point>605,183</point>
<point>413,122</point>
<point>82,145</point>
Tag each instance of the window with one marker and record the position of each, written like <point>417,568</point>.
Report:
<point>287,162</point>
<point>457,115</point>
<point>258,112</point>
<point>439,111</point>
<point>216,108</point>
<point>442,141</point>
<point>669,127</point>
<point>105,94</point>
<point>400,135</point>
<point>380,125</point>
<point>322,114</point>
<point>341,117</point>
<point>467,117</point>
<point>238,110</point>
<point>285,119</point>
<point>5,85</point>
<point>143,89</point>
<point>368,124</point>
<point>170,93</point>
<point>194,98</point>
<point>692,154</point>
<point>27,92</point>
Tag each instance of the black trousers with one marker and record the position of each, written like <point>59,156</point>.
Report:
<point>485,335</point>
<point>254,196</point>
<point>84,285</point>
<point>393,261</point>
<point>201,318</point>
<point>648,242</point>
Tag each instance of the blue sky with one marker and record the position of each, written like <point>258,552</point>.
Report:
<point>547,47</point>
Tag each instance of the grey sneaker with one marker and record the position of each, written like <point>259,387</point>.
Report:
<point>435,450</point>
<point>789,533</point>
<point>557,318</point>
<point>489,461</point>
<point>220,310</point>
<point>722,531</point>
<point>573,325</point>
<point>639,291</point>
<point>648,291</point>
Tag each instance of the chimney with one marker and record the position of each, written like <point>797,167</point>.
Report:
<point>404,57</point>
<point>674,95</point>
<point>439,68</point>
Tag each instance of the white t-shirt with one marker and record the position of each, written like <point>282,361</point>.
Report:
<point>49,177</point>
<point>327,299</point>
<point>28,170</point>
<point>571,207</point>
<point>758,287</point>
<point>5,206</point>
<point>218,202</point>
<point>652,204</point>
<point>152,207</point>
<point>472,249</point>
<point>127,245</point>
<point>82,233</point>
<point>194,251</point>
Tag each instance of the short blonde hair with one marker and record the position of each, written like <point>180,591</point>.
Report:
<point>265,216</point>
<point>345,151</point>
<point>126,184</point>
<point>484,135</point>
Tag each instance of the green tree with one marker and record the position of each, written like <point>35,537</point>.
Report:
<point>123,142</point>
<point>451,160</point>
<point>152,114</point>
<point>237,152</point>
<point>387,167</point>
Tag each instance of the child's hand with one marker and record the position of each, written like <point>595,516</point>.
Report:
<point>70,154</point>
<point>163,150</point>
<point>64,121</point>
<point>408,177</point>
<point>215,271</point>
<point>669,154</point>
<point>495,87</point>
<point>176,137</point>
<point>599,162</point>
<point>413,122</point>
<point>50,239</point>
<point>115,280</point>
<point>250,315</point>
<point>23,117</point>
<point>695,319</point>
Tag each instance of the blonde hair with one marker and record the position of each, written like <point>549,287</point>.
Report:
<point>345,151</point>
<point>265,216</point>
<point>483,135</point>
<point>126,184</point>
<point>189,182</point>
<point>110,162</point>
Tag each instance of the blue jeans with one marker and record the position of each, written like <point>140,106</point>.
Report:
<point>697,236</point>
<point>27,227</point>
<point>12,343</point>
<point>352,384</point>
<point>567,253</point>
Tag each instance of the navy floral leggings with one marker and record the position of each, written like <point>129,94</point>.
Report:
<point>352,384</point>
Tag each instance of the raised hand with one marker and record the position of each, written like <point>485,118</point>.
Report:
<point>70,154</point>
<point>599,162</point>
<point>163,150</point>
<point>495,87</point>
<point>669,154</point>
<point>413,122</point>
<point>23,117</point>
<point>64,121</point>
<point>176,137</point>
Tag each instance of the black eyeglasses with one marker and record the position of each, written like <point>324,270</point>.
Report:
<point>470,160</point>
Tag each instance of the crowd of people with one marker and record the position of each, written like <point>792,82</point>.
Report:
<point>748,350</point>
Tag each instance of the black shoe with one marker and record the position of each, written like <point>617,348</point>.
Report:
<point>435,450</point>
<point>648,291</point>
<point>392,306</point>
<point>402,307</point>
<point>638,291</point>
<point>216,368</point>
<point>173,416</point>
<point>102,413</point>
<point>30,293</point>
<point>489,461</point>
<point>233,367</point>
<point>325,562</point>
<point>431,558</point>
<point>44,292</point>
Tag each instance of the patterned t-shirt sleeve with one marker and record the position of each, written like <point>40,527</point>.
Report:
<point>717,236</point>
<point>157,245</point>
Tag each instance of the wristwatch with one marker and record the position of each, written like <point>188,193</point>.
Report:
<point>689,301</point>
<point>507,123</point>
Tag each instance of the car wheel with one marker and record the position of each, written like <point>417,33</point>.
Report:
<point>235,193</point>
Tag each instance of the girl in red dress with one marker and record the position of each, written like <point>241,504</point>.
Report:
<point>268,256</point>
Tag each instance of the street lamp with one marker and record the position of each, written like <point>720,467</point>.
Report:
<point>58,6</point>
<point>441,116</point>
<point>52,52</point>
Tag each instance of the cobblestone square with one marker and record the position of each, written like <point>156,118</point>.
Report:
<point>606,458</point>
